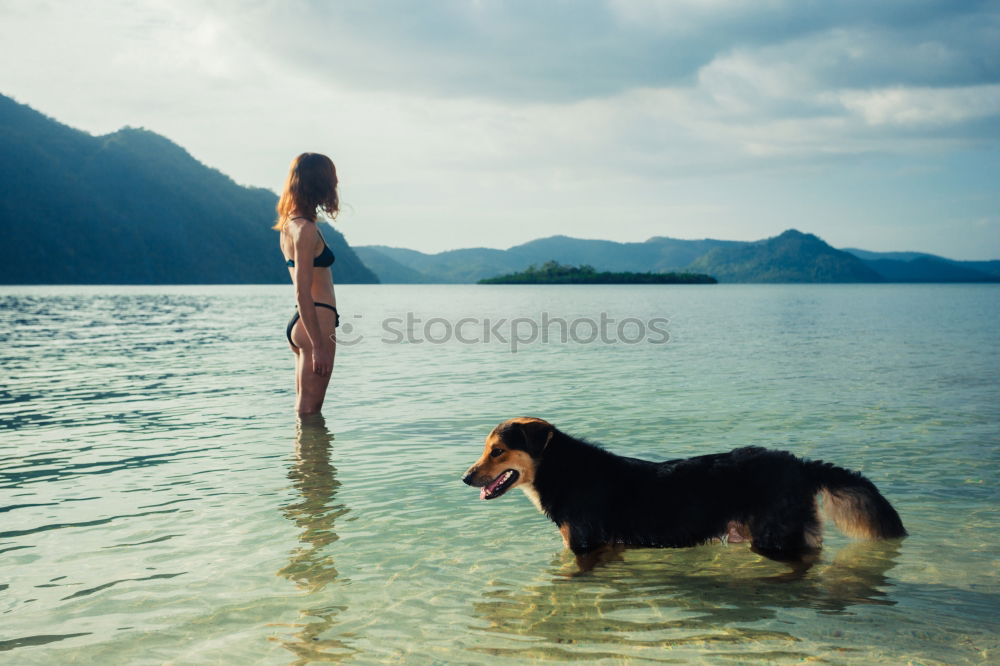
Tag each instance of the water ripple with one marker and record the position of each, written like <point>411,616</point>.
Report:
<point>92,590</point>
<point>89,523</point>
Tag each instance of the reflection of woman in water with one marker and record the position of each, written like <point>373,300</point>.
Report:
<point>311,187</point>
<point>315,512</point>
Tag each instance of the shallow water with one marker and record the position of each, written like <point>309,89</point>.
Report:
<point>160,504</point>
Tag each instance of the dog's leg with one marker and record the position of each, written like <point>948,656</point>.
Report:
<point>789,537</point>
<point>587,560</point>
<point>800,562</point>
<point>588,555</point>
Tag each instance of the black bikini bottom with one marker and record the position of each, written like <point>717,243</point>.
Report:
<point>295,319</point>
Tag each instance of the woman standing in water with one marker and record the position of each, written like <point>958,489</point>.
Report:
<point>311,187</point>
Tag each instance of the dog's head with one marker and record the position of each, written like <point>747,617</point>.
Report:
<point>512,451</point>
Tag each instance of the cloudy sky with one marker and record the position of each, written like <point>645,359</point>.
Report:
<point>458,123</point>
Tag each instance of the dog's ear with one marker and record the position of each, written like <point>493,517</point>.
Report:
<point>530,436</point>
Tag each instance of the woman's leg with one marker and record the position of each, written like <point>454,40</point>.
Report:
<point>298,362</point>
<point>295,350</point>
<point>310,387</point>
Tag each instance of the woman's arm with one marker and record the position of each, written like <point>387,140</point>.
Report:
<point>304,240</point>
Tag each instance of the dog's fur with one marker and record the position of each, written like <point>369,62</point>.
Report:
<point>602,501</point>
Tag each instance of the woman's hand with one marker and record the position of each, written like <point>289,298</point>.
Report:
<point>322,359</point>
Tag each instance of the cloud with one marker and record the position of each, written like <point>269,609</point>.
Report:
<point>653,81</point>
<point>524,50</point>
<point>635,82</point>
<point>923,107</point>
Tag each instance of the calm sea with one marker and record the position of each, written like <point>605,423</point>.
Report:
<point>159,502</point>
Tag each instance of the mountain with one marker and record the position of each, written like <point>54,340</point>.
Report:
<point>131,207</point>
<point>658,254</point>
<point>388,269</point>
<point>867,255</point>
<point>923,267</point>
<point>790,257</point>
<point>452,266</point>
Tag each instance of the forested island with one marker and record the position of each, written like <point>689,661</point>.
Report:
<point>552,272</point>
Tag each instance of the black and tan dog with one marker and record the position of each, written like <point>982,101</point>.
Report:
<point>602,501</point>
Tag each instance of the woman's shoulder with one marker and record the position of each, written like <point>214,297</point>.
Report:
<point>300,226</point>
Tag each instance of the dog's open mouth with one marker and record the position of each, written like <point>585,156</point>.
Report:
<point>499,485</point>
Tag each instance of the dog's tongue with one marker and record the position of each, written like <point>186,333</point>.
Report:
<point>492,485</point>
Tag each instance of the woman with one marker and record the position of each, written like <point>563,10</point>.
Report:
<point>311,187</point>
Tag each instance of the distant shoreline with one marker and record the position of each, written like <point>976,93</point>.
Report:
<point>633,278</point>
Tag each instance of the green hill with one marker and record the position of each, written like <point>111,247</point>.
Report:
<point>790,257</point>
<point>131,207</point>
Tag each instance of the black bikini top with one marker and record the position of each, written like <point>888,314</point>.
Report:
<point>324,259</point>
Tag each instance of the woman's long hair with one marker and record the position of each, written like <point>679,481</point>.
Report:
<point>311,185</point>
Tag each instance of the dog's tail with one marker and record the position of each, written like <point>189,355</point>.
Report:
<point>854,503</point>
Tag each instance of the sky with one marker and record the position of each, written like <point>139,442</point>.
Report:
<point>462,123</point>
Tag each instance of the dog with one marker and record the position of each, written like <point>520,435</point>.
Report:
<point>603,502</point>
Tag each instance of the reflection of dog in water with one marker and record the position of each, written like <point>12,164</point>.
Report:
<point>602,501</point>
<point>700,597</point>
